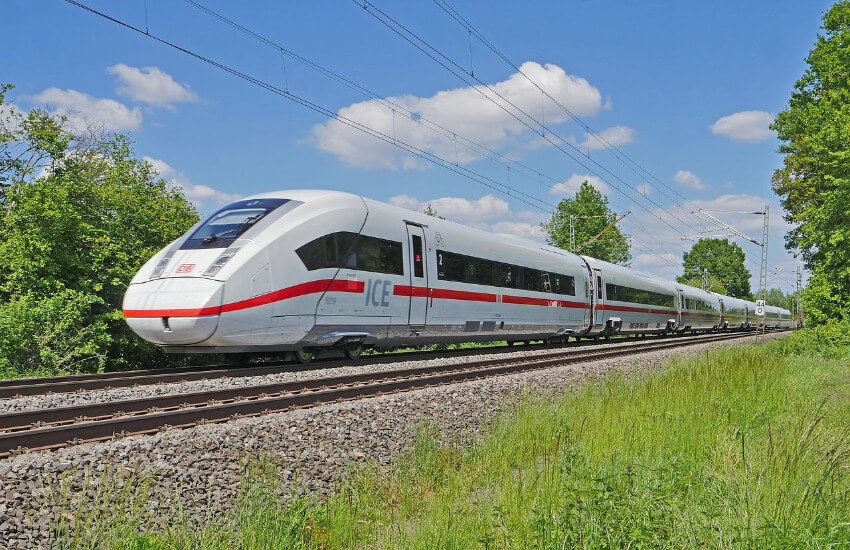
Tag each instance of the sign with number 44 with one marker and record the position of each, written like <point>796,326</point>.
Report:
<point>760,308</point>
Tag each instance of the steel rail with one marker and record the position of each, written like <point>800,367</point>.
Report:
<point>122,379</point>
<point>256,400</point>
<point>56,415</point>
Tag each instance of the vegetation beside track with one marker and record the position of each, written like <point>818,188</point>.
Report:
<point>740,446</point>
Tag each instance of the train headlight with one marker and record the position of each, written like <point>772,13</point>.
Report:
<point>163,263</point>
<point>221,260</point>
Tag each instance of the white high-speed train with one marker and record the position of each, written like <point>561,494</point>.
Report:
<point>304,270</point>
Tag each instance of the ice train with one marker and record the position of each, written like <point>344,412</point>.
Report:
<point>304,270</point>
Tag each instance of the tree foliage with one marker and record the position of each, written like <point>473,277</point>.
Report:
<point>725,264</point>
<point>775,297</point>
<point>80,215</point>
<point>714,284</point>
<point>593,214</point>
<point>429,210</point>
<point>814,181</point>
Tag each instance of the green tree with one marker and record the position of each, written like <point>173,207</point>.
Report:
<point>714,284</point>
<point>814,181</point>
<point>80,215</point>
<point>431,211</point>
<point>775,297</point>
<point>723,260</point>
<point>593,214</point>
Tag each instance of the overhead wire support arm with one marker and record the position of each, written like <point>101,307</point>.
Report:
<point>724,225</point>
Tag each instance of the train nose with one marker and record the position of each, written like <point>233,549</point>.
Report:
<point>174,311</point>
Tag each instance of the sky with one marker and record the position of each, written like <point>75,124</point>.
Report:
<point>684,91</point>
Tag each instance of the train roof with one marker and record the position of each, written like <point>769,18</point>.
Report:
<point>314,195</point>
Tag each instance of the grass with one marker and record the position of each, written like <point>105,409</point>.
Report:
<point>745,446</point>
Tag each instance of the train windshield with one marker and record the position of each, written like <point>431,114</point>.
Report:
<point>226,225</point>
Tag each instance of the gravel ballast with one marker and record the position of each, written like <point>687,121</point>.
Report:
<point>85,397</point>
<point>199,471</point>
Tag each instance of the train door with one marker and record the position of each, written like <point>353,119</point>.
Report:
<point>599,313</point>
<point>418,275</point>
<point>681,319</point>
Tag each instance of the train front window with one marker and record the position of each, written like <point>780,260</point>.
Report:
<point>226,225</point>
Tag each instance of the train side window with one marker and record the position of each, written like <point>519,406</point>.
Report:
<point>331,257</point>
<point>484,272</point>
<point>313,253</point>
<point>418,269</point>
<point>598,287</point>
<point>377,255</point>
<point>520,277</point>
<point>450,266</point>
<point>565,284</point>
<point>505,275</point>
<point>546,281</point>
<point>532,279</point>
<point>352,251</point>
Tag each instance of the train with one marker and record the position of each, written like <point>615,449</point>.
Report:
<point>301,271</point>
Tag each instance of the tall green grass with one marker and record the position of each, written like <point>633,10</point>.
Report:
<point>742,446</point>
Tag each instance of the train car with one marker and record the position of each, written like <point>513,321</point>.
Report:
<point>628,301</point>
<point>776,317</point>
<point>302,270</point>
<point>736,313</point>
<point>699,310</point>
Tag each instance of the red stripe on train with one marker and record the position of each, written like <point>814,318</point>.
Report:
<point>312,287</point>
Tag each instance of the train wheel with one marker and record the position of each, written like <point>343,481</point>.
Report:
<point>304,356</point>
<point>353,351</point>
<point>511,343</point>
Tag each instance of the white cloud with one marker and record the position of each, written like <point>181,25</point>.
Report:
<point>644,189</point>
<point>195,192</point>
<point>151,85</point>
<point>750,126</point>
<point>616,135</point>
<point>489,213</point>
<point>571,185</point>
<point>688,179</point>
<point>463,110</point>
<point>520,229</point>
<point>84,110</point>
<point>458,209</point>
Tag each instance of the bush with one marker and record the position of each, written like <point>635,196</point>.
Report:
<point>830,339</point>
<point>51,335</point>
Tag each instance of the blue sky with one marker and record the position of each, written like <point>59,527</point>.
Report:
<point>685,89</point>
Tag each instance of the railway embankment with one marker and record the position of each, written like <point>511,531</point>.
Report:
<point>197,475</point>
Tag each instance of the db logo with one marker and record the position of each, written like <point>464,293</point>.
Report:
<point>184,268</point>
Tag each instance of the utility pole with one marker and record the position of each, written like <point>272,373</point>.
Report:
<point>572,233</point>
<point>799,301</point>
<point>705,278</point>
<point>764,237</point>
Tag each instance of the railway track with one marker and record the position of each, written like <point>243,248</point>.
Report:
<point>58,427</point>
<point>124,379</point>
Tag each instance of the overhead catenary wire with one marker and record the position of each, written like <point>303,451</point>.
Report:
<point>415,117</point>
<point>430,157</point>
<point>526,119</point>
<point>388,103</point>
<point>634,165</point>
<point>425,155</point>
